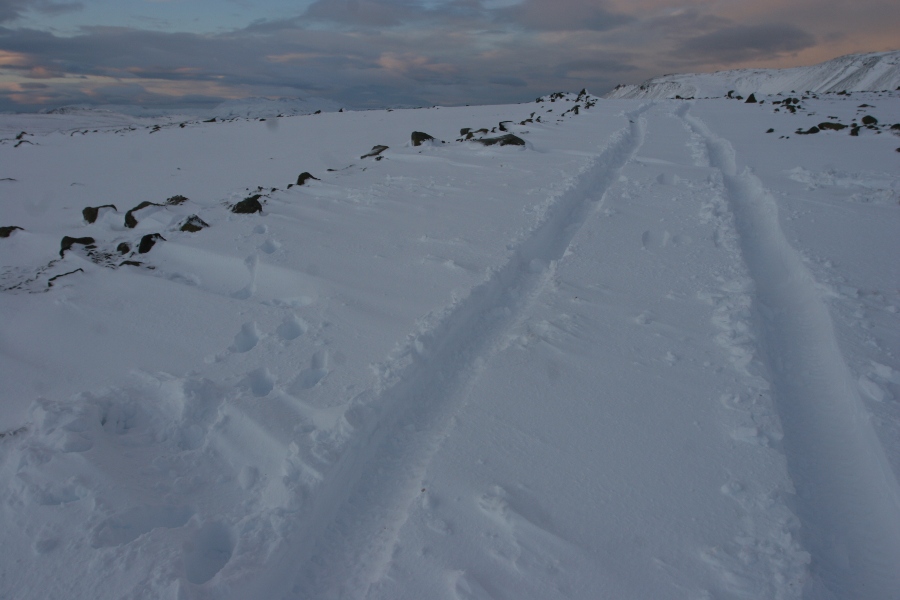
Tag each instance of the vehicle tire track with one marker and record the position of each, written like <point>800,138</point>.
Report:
<point>848,500</point>
<point>345,537</point>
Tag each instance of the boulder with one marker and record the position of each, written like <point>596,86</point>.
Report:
<point>67,242</point>
<point>304,177</point>
<point>7,230</point>
<point>832,126</point>
<point>869,121</point>
<point>148,241</point>
<point>504,140</point>
<point>176,200</point>
<point>376,151</point>
<point>123,248</point>
<point>419,137</point>
<point>130,221</point>
<point>90,213</point>
<point>193,224</point>
<point>751,99</point>
<point>248,205</point>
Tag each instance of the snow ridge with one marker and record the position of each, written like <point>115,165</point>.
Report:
<point>848,499</point>
<point>349,532</point>
<point>852,73</point>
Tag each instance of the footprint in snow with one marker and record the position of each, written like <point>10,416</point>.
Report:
<point>247,338</point>
<point>207,552</point>
<point>261,382</point>
<point>291,328</point>
<point>309,378</point>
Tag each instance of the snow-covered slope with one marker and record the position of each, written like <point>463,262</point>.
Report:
<point>652,351</point>
<point>853,73</point>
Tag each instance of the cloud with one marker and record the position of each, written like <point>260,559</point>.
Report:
<point>740,43</point>
<point>563,15</point>
<point>10,10</point>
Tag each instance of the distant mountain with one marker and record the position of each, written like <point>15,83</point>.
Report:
<point>852,73</point>
<point>267,107</point>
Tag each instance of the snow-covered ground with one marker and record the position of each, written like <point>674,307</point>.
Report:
<point>653,353</point>
<point>874,71</point>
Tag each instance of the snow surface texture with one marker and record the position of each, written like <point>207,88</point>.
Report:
<point>650,353</point>
<point>871,72</point>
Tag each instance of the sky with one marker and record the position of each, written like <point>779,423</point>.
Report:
<point>380,53</point>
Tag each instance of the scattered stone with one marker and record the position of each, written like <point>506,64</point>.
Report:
<point>55,277</point>
<point>6,231</point>
<point>869,121</point>
<point>376,151</point>
<point>248,205</point>
<point>148,241</point>
<point>832,126</point>
<point>130,221</point>
<point>176,200</point>
<point>90,213</point>
<point>770,130</point>
<point>420,137</point>
<point>504,140</point>
<point>751,99</point>
<point>130,263</point>
<point>502,125</point>
<point>855,131</point>
<point>809,131</point>
<point>465,130</point>
<point>304,177</point>
<point>123,248</point>
<point>67,242</point>
<point>193,224</point>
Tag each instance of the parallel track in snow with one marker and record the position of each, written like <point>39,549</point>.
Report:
<point>349,531</point>
<point>848,499</point>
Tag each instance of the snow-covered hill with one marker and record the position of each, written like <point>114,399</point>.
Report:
<point>615,349</point>
<point>853,73</point>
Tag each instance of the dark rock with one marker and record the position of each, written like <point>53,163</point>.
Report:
<point>55,277</point>
<point>376,150</point>
<point>193,224</point>
<point>502,125</point>
<point>869,120</point>
<point>6,231</point>
<point>123,248</point>
<point>90,213</point>
<point>213,120</point>
<point>770,130</point>
<point>130,263</point>
<point>730,94</point>
<point>67,242</point>
<point>855,131</point>
<point>419,137</point>
<point>895,127</point>
<point>130,221</point>
<point>832,126</point>
<point>465,130</point>
<point>751,99</point>
<point>176,200</point>
<point>504,140</point>
<point>809,131</point>
<point>248,205</point>
<point>148,241</point>
<point>304,177</point>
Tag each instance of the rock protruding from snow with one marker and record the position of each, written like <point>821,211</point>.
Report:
<point>852,73</point>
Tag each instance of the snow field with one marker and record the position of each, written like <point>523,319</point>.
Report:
<point>650,354</point>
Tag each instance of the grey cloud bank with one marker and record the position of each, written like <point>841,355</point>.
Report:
<point>375,53</point>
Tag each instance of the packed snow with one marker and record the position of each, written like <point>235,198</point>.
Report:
<point>632,349</point>
<point>875,71</point>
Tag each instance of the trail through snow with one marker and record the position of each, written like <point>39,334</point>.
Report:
<point>652,353</point>
<point>847,494</point>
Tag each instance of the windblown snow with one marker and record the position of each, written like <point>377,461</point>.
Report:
<point>576,348</point>
<point>872,72</point>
